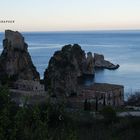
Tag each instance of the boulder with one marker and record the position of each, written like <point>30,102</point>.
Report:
<point>100,62</point>
<point>15,60</point>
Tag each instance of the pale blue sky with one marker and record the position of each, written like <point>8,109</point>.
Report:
<point>60,15</point>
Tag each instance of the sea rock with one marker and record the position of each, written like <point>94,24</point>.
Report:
<point>100,62</point>
<point>15,60</point>
<point>15,39</point>
<point>65,66</point>
<point>89,65</point>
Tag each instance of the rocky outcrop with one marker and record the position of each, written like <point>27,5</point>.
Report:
<point>89,65</point>
<point>65,66</point>
<point>15,60</point>
<point>101,63</point>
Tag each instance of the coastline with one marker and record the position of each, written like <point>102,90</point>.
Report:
<point>122,76</point>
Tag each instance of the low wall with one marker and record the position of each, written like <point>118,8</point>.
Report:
<point>16,92</point>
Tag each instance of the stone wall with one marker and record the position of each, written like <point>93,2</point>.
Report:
<point>28,85</point>
<point>98,98</point>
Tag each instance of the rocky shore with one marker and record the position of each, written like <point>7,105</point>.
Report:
<point>61,77</point>
<point>68,65</point>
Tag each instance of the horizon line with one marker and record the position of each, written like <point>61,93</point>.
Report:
<point>73,30</point>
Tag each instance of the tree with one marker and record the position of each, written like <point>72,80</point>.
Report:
<point>134,99</point>
<point>6,115</point>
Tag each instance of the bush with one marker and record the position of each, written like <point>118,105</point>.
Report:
<point>134,99</point>
<point>108,113</point>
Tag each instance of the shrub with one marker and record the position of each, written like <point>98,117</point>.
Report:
<point>134,99</point>
<point>108,113</point>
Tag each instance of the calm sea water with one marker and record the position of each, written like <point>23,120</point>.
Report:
<point>119,47</point>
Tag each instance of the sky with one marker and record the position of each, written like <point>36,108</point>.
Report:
<point>70,15</point>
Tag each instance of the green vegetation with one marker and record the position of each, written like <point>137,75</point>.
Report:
<point>109,114</point>
<point>134,99</point>
<point>53,122</point>
<point>38,122</point>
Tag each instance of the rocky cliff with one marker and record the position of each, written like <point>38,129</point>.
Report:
<point>100,62</point>
<point>89,65</point>
<point>65,66</point>
<point>15,60</point>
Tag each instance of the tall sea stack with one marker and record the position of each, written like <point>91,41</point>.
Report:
<point>15,60</point>
<point>64,69</point>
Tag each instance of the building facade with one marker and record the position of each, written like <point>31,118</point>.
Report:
<point>28,85</point>
<point>99,95</point>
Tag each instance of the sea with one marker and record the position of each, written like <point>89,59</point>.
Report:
<point>119,47</point>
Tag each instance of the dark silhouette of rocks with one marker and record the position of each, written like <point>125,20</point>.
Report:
<point>100,63</point>
<point>15,60</point>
